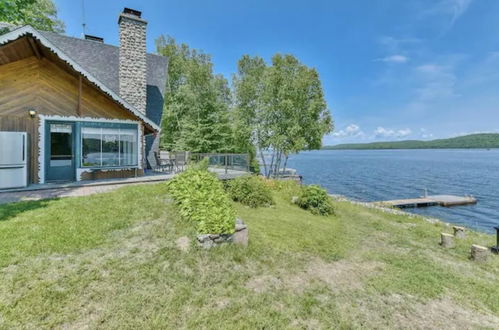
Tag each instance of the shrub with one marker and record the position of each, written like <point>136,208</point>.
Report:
<point>250,190</point>
<point>201,165</point>
<point>315,199</point>
<point>201,198</point>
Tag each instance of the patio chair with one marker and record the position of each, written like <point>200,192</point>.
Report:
<point>165,161</point>
<point>181,160</point>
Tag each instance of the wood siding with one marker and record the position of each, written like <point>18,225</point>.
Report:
<point>46,87</point>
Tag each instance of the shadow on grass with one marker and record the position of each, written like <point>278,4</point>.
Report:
<point>11,210</point>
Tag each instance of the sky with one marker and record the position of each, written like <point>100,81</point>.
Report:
<point>391,69</point>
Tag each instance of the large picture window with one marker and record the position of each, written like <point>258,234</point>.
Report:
<point>108,147</point>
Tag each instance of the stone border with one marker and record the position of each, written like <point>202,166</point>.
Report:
<point>240,237</point>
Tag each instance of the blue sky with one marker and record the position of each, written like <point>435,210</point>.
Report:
<point>391,69</point>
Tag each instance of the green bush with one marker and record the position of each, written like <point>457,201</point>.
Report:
<point>201,165</point>
<point>315,199</point>
<point>201,198</point>
<point>250,190</point>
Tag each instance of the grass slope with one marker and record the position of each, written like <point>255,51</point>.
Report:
<point>111,261</point>
<point>486,140</point>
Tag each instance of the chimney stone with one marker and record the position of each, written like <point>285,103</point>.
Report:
<point>132,59</point>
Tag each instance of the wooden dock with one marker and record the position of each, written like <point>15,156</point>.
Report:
<point>441,200</point>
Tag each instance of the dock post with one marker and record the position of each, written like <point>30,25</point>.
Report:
<point>446,240</point>
<point>495,249</point>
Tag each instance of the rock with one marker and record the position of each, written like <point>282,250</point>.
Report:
<point>479,253</point>
<point>459,232</point>
<point>219,239</point>
<point>208,244</point>
<point>183,243</point>
<point>241,237</point>
<point>203,238</point>
<point>240,227</point>
<point>447,240</point>
<point>295,199</point>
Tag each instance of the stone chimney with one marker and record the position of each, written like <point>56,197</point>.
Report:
<point>133,63</point>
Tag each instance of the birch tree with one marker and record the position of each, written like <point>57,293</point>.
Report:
<point>281,108</point>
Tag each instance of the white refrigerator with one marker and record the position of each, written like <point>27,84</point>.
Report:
<point>13,160</point>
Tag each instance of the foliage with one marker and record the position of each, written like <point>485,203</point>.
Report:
<point>315,199</point>
<point>41,14</point>
<point>250,190</point>
<point>196,111</point>
<point>202,165</point>
<point>202,199</point>
<point>279,108</point>
<point>482,140</point>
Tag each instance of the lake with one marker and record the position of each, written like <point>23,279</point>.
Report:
<point>375,175</point>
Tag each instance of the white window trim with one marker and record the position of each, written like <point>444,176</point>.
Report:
<point>80,171</point>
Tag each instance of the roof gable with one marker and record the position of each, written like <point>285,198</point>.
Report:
<point>90,64</point>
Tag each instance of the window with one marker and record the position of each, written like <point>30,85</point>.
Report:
<point>108,147</point>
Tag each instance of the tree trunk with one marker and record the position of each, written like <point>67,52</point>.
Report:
<point>278,163</point>
<point>286,161</point>
<point>263,162</point>
<point>271,164</point>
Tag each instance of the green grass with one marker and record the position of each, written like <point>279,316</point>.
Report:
<point>111,261</point>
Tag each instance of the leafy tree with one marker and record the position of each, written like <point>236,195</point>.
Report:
<point>41,14</point>
<point>196,114</point>
<point>248,89</point>
<point>280,108</point>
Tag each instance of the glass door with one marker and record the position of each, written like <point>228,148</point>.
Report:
<point>60,155</point>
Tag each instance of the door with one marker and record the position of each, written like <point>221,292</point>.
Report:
<point>60,153</point>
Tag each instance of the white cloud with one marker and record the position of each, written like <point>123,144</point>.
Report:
<point>435,82</point>
<point>457,8</point>
<point>452,9</point>
<point>394,59</point>
<point>351,130</point>
<point>382,132</point>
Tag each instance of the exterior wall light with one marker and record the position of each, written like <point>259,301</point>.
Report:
<point>32,113</point>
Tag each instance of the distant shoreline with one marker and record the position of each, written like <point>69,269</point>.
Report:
<point>473,141</point>
<point>374,149</point>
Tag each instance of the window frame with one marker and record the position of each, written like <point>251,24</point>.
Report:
<point>102,125</point>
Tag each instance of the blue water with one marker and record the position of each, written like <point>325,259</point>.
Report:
<point>374,175</point>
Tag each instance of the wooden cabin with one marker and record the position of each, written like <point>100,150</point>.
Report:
<point>91,110</point>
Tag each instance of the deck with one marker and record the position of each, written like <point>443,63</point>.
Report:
<point>434,200</point>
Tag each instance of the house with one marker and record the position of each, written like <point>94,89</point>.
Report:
<point>92,110</point>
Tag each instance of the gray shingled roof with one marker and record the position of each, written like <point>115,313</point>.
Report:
<point>102,61</point>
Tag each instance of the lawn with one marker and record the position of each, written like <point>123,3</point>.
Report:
<point>112,261</point>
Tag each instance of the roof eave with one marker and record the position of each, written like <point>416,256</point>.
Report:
<point>28,30</point>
